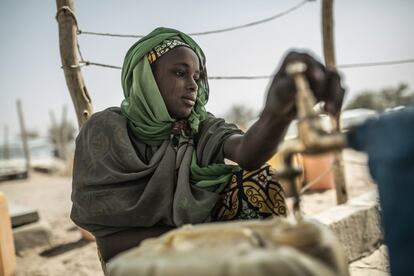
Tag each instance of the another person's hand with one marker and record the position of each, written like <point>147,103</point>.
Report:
<point>325,84</point>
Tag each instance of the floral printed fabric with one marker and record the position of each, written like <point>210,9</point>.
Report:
<point>251,195</point>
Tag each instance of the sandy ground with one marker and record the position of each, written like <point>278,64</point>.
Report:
<point>67,254</point>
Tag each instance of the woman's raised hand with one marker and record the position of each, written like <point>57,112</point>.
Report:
<point>325,84</point>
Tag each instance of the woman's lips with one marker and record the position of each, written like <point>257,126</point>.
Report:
<point>189,101</point>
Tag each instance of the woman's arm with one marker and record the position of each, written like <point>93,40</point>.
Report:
<point>260,142</point>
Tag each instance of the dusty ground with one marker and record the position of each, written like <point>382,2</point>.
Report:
<point>68,255</point>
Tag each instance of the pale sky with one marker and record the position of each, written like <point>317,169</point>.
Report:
<point>366,31</point>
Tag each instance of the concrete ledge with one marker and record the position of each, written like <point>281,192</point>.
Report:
<point>21,215</point>
<point>357,225</point>
<point>31,235</point>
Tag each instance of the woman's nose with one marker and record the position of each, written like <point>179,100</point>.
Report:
<point>192,85</point>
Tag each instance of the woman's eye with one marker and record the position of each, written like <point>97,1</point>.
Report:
<point>179,73</point>
<point>196,78</point>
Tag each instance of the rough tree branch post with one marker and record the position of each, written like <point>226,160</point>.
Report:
<point>68,44</point>
<point>68,27</point>
<point>329,54</point>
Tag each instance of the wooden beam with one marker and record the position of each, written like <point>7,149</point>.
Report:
<point>6,148</point>
<point>328,34</point>
<point>23,135</point>
<point>57,135</point>
<point>64,132</point>
<point>68,53</point>
<point>330,62</point>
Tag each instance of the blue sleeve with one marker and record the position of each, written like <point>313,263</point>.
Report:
<point>389,143</point>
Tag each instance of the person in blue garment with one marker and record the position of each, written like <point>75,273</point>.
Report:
<point>389,143</point>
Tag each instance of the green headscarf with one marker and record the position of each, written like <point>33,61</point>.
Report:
<point>143,105</point>
<point>147,114</point>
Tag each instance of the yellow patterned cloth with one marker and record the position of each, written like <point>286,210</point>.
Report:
<point>163,48</point>
<point>251,195</point>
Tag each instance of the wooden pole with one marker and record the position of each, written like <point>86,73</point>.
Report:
<point>68,53</point>
<point>328,34</point>
<point>64,132</point>
<point>68,42</point>
<point>24,136</point>
<point>56,134</point>
<point>330,62</point>
<point>6,149</point>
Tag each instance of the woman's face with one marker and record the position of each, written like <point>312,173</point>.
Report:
<point>176,73</point>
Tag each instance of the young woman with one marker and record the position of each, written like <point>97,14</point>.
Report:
<point>157,162</point>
